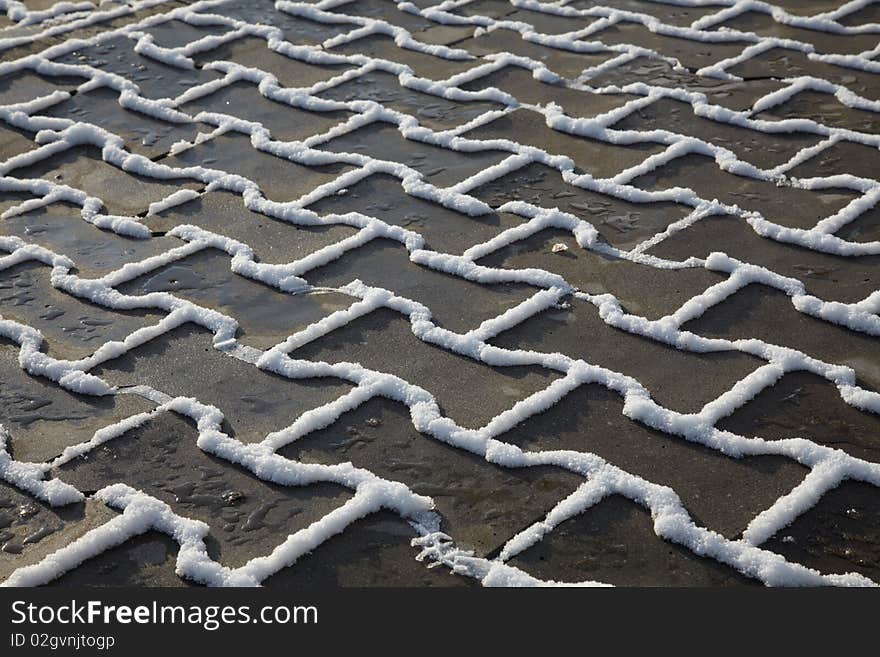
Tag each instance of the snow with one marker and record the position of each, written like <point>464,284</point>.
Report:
<point>140,512</point>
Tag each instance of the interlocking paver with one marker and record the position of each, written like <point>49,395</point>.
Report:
<point>542,329</point>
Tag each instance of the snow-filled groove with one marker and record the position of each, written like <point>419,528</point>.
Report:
<point>56,136</point>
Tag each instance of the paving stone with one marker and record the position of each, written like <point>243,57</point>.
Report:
<point>247,516</point>
<point>43,418</point>
<point>786,63</point>
<point>232,152</point>
<point>759,311</point>
<point>621,223</point>
<point>788,206</point>
<point>71,327</point>
<point>380,46</point>
<point>719,492</point>
<point>761,149</point>
<point>839,535</point>
<point>122,192</point>
<point>442,167</point>
<point>254,52</point>
<point>614,542</point>
<point>473,498</point>
<point>382,196</point>
<point>431,111</point>
<point>480,504</point>
<point>142,134</point>
<point>385,263</point>
<point>183,363</point>
<point>659,367</point>
<point>374,551</point>
<point>224,213</point>
<point>265,315</point>
<point>32,530</point>
<point>565,63</point>
<point>60,227</point>
<point>599,159</point>
<point>841,158</point>
<point>377,337</point>
<point>825,109</point>
<point>285,123</point>
<point>800,406</point>
<point>154,79</point>
<point>829,277</point>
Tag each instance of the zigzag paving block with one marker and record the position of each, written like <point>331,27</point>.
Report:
<point>614,542</point>
<point>864,228</point>
<point>737,95</point>
<point>265,315</point>
<point>381,46</point>
<point>788,206</point>
<point>72,328</point>
<point>374,551</point>
<point>278,178</point>
<point>621,223</point>
<point>657,366</point>
<point>43,418</point>
<point>13,142</point>
<point>598,158</point>
<point>439,294</point>
<point>764,150</point>
<point>800,406</point>
<point>254,52</point>
<point>475,499</point>
<point>247,516</point>
<point>385,263</point>
<point>825,109</point>
<point>434,112</point>
<point>679,15</point>
<point>284,122</point>
<point>564,63</point>
<point>841,158</point>
<point>30,531</point>
<point>840,534</point>
<point>441,167</point>
<point>223,213</point>
<point>142,134</point>
<point>760,311</point>
<point>121,192</point>
<point>764,25</point>
<point>827,276</point>
<point>723,493</point>
<point>60,228</point>
<point>378,337</point>
<point>149,559</point>
<point>638,287</point>
<point>154,79</point>
<point>25,85</point>
<point>444,230</point>
<point>785,63</point>
<point>521,83</point>
<point>184,364</point>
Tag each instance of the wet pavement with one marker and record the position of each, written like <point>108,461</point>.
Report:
<point>472,253</point>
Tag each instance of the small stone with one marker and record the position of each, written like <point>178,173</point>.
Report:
<point>28,510</point>
<point>232,497</point>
